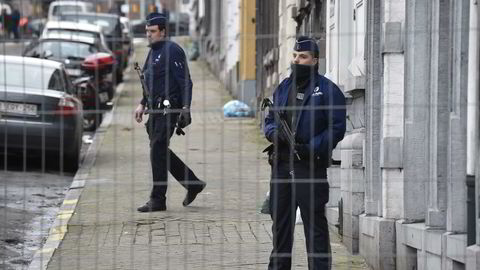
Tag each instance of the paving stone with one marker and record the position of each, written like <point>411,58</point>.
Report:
<point>222,229</point>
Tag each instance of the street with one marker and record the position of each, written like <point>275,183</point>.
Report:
<point>30,193</point>
<point>29,202</point>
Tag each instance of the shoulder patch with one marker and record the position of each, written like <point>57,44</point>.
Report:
<point>178,64</point>
<point>317,92</point>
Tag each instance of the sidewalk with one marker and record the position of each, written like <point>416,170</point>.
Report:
<point>221,230</point>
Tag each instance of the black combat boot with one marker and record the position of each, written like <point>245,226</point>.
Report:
<point>152,206</point>
<point>193,192</point>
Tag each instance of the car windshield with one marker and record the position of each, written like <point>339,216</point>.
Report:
<point>24,75</point>
<point>57,10</point>
<point>63,49</point>
<point>73,33</point>
<point>108,24</point>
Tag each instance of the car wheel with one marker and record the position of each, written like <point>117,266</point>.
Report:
<point>92,121</point>
<point>71,160</point>
<point>119,76</point>
<point>110,90</point>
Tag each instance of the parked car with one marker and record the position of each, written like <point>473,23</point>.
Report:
<point>68,49</point>
<point>39,110</point>
<point>74,29</point>
<point>112,29</point>
<point>178,25</point>
<point>96,88</point>
<point>58,7</point>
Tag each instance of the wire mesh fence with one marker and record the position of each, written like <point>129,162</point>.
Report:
<point>101,168</point>
<point>222,229</point>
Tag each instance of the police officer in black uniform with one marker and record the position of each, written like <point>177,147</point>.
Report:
<point>313,108</point>
<point>166,78</point>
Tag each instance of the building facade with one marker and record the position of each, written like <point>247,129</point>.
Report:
<point>225,31</point>
<point>409,70</point>
<point>419,138</point>
<point>405,184</point>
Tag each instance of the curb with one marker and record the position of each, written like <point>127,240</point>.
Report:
<point>59,228</point>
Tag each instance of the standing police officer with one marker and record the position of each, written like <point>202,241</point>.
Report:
<point>166,78</point>
<point>314,109</point>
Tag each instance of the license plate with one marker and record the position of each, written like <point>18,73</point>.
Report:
<point>74,72</point>
<point>103,97</point>
<point>18,108</point>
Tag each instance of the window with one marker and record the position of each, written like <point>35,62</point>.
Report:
<point>24,75</point>
<point>359,28</point>
<point>62,49</point>
<point>73,33</point>
<point>109,24</point>
<point>69,88</point>
<point>59,9</point>
<point>55,82</point>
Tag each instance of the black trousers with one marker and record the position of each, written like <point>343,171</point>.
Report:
<point>293,185</point>
<point>160,129</point>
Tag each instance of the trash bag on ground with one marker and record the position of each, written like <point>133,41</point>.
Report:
<point>193,51</point>
<point>236,108</point>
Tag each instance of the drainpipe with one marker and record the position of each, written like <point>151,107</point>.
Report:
<point>472,120</point>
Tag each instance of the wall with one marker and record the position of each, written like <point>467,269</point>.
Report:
<point>227,43</point>
<point>473,144</point>
<point>345,65</point>
<point>246,90</point>
<point>417,53</point>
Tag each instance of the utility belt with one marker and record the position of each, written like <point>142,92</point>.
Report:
<point>284,154</point>
<point>159,105</point>
<point>155,103</point>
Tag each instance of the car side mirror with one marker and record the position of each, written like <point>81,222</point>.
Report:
<point>47,54</point>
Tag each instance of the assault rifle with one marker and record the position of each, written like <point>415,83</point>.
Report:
<point>142,79</point>
<point>283,125</point>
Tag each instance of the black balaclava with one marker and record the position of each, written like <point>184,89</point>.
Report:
<point>302,73</point>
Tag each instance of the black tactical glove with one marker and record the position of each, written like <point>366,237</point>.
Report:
<point>184,119</point>
<point>302,150</point>
<point>278,137</point>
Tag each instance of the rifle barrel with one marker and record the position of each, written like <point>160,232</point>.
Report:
<point>290,137</point>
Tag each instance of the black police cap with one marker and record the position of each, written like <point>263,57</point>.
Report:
<point>304,43</point>
<point>156,18</point>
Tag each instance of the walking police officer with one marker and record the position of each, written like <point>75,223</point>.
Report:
<point>313,107</point>
<point>166,78</point>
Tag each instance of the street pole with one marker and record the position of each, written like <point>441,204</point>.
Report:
<point>142,9</point>
<point>177,11</point>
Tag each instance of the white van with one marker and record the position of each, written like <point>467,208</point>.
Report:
<point>57,7</point>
